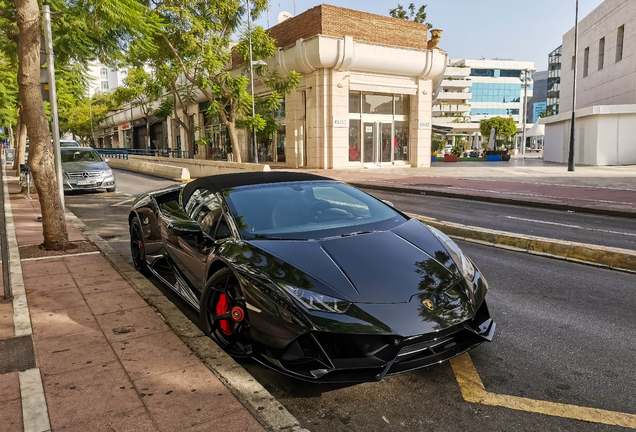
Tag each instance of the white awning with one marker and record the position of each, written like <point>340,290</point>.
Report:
<point>536,130</point>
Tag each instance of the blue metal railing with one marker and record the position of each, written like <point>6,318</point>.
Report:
<point>124,153</point>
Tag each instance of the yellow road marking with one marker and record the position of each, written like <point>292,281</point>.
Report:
<point>473,390</point>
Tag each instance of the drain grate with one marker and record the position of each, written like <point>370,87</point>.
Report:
<point>16,354</point>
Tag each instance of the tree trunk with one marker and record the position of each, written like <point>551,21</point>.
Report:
<point>20,143</point>
<point>34,116</point>
<point>236,152</point>
<point>231,128</point>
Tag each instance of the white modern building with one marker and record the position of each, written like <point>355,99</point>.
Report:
<point>473,90</point>
<point>605,129</point>
<point>365,97</point>
<point>103,78</point>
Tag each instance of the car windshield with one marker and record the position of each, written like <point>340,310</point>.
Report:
<point>307,211</point>
<point>68,144</point>
<point>77,155</point>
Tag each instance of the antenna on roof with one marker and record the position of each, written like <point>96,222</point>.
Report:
<point>283,16</point>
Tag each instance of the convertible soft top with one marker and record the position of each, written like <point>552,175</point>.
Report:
<point>221,182</point>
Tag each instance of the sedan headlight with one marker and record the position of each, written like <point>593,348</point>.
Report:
<point>107,173</point>
<point>318,302</point>
<point>463,263</point>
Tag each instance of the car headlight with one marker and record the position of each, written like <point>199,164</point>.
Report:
<point>107,173</point>
<point>318,302</point>
<point>462,261</point>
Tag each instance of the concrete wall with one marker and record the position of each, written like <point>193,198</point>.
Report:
<point>203,168</point>
<point>603,136</point>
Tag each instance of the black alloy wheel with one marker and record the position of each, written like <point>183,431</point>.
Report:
<point>224,314</point>
<point>137,248</point>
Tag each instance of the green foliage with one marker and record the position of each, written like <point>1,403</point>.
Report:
<point>504,127</point>
<point>141,90</point>
<point>8,91</point>
<point>197,39</point>
<point>437,143</point>
<point>457,150</point>
<point>78,119</point>
<point>411,14</point>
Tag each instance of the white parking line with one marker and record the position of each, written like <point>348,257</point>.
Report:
<point>569,226</point>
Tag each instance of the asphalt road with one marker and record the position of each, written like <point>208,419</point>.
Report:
<point>566,333</point>
<point>557,224</point>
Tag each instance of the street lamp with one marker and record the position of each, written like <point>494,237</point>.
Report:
<point>576,60</point>
<point>526,82</point>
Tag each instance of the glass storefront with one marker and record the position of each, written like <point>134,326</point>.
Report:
<point>378,128</point>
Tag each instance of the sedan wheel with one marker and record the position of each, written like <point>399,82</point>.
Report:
<point>137,249</point>
<point>224,314</point>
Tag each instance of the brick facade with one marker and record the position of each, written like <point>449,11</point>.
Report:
<point>339,22</point>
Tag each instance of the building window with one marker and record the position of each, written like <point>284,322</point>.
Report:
<point>586,62</point>
<point>104,85</point>
<point>354,102</point>
<point>510,73</point>
<point>601,54</point>
<point>103,73</point>
<point>620,39</point>
<point>482,72</point>
<point>377,103</point>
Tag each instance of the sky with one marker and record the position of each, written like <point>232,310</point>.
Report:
<point>506,29</point>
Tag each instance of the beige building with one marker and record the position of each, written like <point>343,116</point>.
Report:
<point>365,96</point>
<point>605,131</point>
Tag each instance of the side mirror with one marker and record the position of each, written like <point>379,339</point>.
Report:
<point>106,160</point>
<point>185,227</point>
<point>389,203</point>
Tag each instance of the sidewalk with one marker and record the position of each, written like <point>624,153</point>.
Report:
<point>532,182</point>
<point>104,359</point>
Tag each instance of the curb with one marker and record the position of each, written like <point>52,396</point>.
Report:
<point>582,253</point>
<point>496,200</point>
<point>270,413</point>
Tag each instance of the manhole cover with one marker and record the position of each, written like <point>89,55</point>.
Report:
<point>16,354</point>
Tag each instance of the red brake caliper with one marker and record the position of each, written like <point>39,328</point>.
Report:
<point>221,308</point>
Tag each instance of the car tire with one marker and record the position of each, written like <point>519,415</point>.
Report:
<point>138,247</point>
<point>223,296</point>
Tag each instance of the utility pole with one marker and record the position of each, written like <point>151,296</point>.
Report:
<point>526,83</point>
<point>249,31</point>
<point>48,39</point>
<point>576,61</point>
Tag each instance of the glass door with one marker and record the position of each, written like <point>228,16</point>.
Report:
<point>385,135</point>
<point>369,142</point>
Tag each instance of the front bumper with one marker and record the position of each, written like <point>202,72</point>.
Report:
<point>99,183</point>
<point>338,358</point>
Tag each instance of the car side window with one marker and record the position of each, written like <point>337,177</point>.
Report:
<point>223,231</point>
<point>205,208</point>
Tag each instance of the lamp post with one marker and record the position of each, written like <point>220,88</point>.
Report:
<point>50,60</point>
<point>526,82</point>
<point>576,60</point>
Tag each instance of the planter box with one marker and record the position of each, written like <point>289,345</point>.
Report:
<point>450,158</point>
<point>433,158</point>
<point>505,157</point>
<point>493,158</point>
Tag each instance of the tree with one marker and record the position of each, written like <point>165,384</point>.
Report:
<point>199,35</point>
<point>142,90</point>
<point>82,31</point>
<point>79,119</point>
<point>504,128</point>
<point>418,16</point>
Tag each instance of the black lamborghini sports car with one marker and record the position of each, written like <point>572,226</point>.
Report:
<point>310,276</point>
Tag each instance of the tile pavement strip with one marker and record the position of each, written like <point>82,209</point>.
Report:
<point>582,253</point>
<point>35,416</point>
<point>270,413</point>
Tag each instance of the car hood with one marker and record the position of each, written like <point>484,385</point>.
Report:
<point>84,166</point>
<point>380,267</point>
